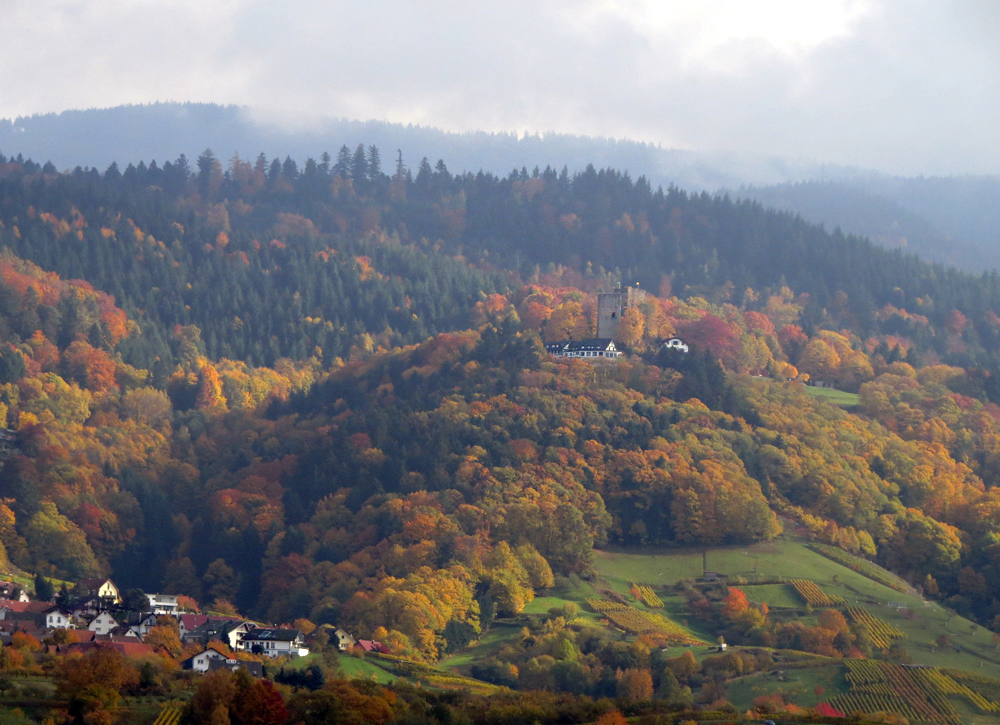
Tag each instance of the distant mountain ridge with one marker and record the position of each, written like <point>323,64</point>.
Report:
<point>951,220</point>
<point>161,131</point>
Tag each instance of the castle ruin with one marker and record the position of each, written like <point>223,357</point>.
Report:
<point>612,305</point>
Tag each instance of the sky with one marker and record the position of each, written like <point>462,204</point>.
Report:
<point>903,86</point>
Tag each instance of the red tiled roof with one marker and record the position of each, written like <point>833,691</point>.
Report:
<point>369,645</point>
<point>39,607</point>
<point>129,649</point>
<point>29,607</point>
<point>193,621</point>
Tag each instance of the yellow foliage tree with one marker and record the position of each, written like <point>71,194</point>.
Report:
<point>631,328</point>
<point>819,360</point>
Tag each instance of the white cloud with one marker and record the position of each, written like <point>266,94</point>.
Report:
<point>704,30</point>
<point>907,85</point>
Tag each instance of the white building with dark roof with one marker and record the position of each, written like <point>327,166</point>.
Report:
<point>275,642</point>
<point>200,662</point>
<point>592,350</point>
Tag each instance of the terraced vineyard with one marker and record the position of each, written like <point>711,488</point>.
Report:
<point>987,689</point>
<point>949,686</point>
<point>170,715</point>
<point>813,595</point>
<point>870,703</point>
<point>882,633</point>
<point>916,693</point>
<point>861,566</point>
<point>638,622</point>
<point>648,596</point>
<point>430,675</point>
<point>602,606</point>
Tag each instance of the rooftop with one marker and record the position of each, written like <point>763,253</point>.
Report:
<point>273,634</point>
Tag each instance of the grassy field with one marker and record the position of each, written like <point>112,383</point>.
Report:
<point>350,667</point>
<point>774,595</point>
<point>834,397</point>
<point>542,605</point>
<point>485,648</point>
<point>782,558</point>
<point>799,685</point>
<point>362,669</point>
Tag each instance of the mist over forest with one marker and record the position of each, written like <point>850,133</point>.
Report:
<point>952,220</point>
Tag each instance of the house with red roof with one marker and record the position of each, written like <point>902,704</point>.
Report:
<point>10,590</point>
<point>371,645</point>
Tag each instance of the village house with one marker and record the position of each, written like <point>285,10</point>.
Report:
<point>343,640</point>
<point>123,633</point>
<point>27,615</point>
<point>227,631</point>
<point>189,622</point>
<point>675,343</point>
<point>371,645</point>
<point>200,662</point>
<point>102,588</point>
<point>57,617</point>
<point>163,603</point>
<point>9,608</point>
<point>10,590</point>
<point>274,642</point>
<point>103,623</point>
<point>87,608</point>
<point>139,622</point>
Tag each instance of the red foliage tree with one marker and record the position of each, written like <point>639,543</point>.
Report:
<point>712,334</point>
<point>793,341</point>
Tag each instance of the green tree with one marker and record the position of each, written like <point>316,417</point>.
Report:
<point>44,591</point>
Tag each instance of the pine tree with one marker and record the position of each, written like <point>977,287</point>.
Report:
<point>343,166</point>
<point>374,164</point>
<point>359,165</point>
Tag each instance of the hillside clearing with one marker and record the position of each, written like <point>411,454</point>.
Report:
<point>834,397</point>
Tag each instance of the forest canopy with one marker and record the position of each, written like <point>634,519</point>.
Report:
<point>322,392</point>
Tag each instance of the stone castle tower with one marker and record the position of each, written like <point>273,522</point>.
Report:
<point>611,307</point>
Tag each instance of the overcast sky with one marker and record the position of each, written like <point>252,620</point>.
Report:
<point>908,86</point>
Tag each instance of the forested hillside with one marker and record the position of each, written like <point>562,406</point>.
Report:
<point>951,221</point>
<point>322,393</point>
<point>269,260</point>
